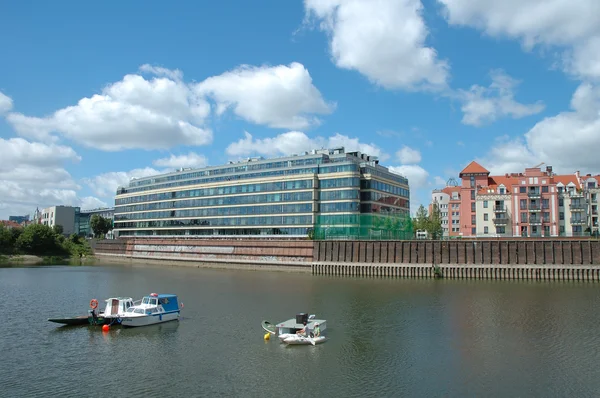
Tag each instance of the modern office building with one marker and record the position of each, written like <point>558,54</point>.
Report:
<point>533,203</point>
<point>65,216</point>
<point>86,215</point>
<point>260,196</point>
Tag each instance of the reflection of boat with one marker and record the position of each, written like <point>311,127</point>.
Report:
<point>286,331</point>
<point>155,308</point>
<point>114,309</point>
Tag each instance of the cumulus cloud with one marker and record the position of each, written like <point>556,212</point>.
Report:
<point>568,141</point>
<point>570,25</point>
<point>192,160</point>
<point>6,103</point>
<point>132,113</point>
<point>33,175</point>
<point>482,105</point>
<point>105,185</point>
<point>294,142</point>
<point>280,96</point>
<point>383,40</point>
<point>408,155</point>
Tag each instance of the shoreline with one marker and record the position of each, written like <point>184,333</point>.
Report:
<point>29,259</point>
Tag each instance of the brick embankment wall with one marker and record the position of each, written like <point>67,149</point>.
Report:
<point>274,252</point>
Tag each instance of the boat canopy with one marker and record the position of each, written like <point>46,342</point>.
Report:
<point>168,301</point>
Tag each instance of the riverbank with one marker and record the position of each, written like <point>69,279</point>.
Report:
<point>27,259</point>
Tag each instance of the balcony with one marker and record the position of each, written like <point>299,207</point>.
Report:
<point>535,207</point>
<point>500,209</point>
<point>501,221</point>
<point>534,194</point>
<point>535,221</point>
<point>575,194</point>
<point>578,221</point>
<point>577,206</point>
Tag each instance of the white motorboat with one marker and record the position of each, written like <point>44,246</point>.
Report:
<point>114,310</point>
<point>152,309</point>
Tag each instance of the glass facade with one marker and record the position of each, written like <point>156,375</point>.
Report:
<point>259,196</point>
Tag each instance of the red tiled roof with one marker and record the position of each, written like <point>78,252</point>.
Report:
<point>473,168</point>
<point>567,179</point>
<point>10,224</point>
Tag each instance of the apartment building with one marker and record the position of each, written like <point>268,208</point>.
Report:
<point>591,189</point>
<point>65,216</point>
<point>448,201</point>
<point>532,203</point>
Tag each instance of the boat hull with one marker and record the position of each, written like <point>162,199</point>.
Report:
<point>104,320</point>
<point>145,320</point>
<point>269,327</point>
<point>300,340</point>
<point>72,321</point>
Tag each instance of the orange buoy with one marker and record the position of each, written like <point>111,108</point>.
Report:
<point>105,328</point>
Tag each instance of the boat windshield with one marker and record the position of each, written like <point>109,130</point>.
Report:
<point>149,301</point>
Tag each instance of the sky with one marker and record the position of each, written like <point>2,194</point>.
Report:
<point>93,94</point>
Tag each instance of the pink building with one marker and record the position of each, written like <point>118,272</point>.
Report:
<point>533,203</point>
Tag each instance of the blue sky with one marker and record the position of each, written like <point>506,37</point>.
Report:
<point>92,94</point>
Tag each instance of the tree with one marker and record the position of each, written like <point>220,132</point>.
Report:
<point>58,229</point>
<point>5,240</point>
<point>38,239</point>
<point>434,224</point>
<point>100,225</point>
<point>421,219</point>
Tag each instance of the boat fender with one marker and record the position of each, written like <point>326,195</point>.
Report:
<point>267,336</point>
<point>105,328</point>
<point>94,304</point>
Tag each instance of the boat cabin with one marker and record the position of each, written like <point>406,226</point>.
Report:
<point>117,305</point>
<point>154,303</point>
<point>295,324</point>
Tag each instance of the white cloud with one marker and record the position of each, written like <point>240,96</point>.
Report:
<point>295,142</point>
<point>192,160</point>
<point>572,25</point>
<point>6,103</point>
<point>132,113</point>
<point>281,96</point>
<point>439,181</point>
<point>33,175</point>
<point>105,185</point>
<point>160,71</point>
<point>382,39</point>
<point>568,141</point>
<point>483,105</point>
<point>407,155</point>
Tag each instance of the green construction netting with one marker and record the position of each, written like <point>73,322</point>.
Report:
<point>367,226</point>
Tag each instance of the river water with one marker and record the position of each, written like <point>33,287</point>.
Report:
<point>400,337</point>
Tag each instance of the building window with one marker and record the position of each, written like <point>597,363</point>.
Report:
<point>523,217</point>
<point>561,202</point>
<point>502,191</point>
<point>545,203</point>
<point>474,231</point>
<point>523,204</point>
<point>485,204</point>
<point>485,230</point>
<point>501,230</point>
<point>485,217</point>
<point>546,230</point>
<point>472,194</point>
<point>545,189</point>
<point>561,216</point>
<point>473,220</point>
<point>472,181</point>
<point>473,207</point>
<point>561,229</point>
<point>522,189</point>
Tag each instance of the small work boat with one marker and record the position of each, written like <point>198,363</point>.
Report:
<point>154,308</point>
<point>286,331</point>
<point>72,321</point>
